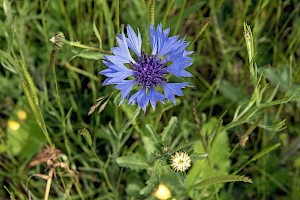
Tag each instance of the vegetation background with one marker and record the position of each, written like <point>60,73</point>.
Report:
<point>243,108</point>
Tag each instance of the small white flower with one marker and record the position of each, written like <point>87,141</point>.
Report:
<point>181,161</point>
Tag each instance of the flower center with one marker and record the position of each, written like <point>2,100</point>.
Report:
<point>148,71</point>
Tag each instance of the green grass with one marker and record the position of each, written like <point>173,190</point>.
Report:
<point>242,111</point>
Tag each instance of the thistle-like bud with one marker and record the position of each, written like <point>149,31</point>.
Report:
<point>57,40</point>
<point>165,149</point>
<point>181,161</point>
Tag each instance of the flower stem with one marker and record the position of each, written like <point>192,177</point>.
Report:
<point>82,46</point>
<point>135,114</point>
<point>48,186</point>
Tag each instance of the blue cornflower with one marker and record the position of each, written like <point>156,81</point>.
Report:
<point>148,73</point>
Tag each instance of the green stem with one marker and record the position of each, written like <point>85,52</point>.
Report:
<point>179,17</point>
<point>117,17</point>
<point>168,9</point>
<point>125,127</point>
<point>61,109</point>
<point>82,46</point>
<point>104,172</point>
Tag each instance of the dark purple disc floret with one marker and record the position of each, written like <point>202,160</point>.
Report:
<point>149,71</point>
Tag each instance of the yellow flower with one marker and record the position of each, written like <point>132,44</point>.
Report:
<point>181,161</point>
<point>162,192</point>
<point>22,115</point>
<point>13,125</point>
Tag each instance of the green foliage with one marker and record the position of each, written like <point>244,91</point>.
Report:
<point>133,161</point>
<point>217,162</point>
<point>85,133</point>
<point>239,122</point>
<point>151,184</point>
<point>27,139</point>
<point>223,179</point>
<point>168,130</point>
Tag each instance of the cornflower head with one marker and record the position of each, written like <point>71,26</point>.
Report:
<point>147,74</point>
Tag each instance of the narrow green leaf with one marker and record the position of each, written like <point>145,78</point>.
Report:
<point>223,179</point>
<point>198,156</point>
<point>218,127</point>
<point>259,155</point>
<point>271,97</point>
<point>153,134</point>
<point>108,21</point>
<point>97,35</point>
<point>151,184</point>
<point>131,121</point>
<point>203,26</point>
<point>167,133</point>
<point>133,161</point>
<point>275,127</point>
<point>91,55</point>
<point>265,151</point>
<point>7,61</point>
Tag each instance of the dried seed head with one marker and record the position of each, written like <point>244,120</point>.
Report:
<point>57,40</point>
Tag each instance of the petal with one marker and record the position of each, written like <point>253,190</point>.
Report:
<point>153,39</point>
<point>107,70</point>
<point>161,44</point>
<point>155,96</point>
<point>125,89</point>
<point>177,68</point>
<point>134,42</point>
<point>157,38</point>
<point>115,62</point>
<point>177,50</point>
<point>187,53</point>
<point>141,98</point>
<point>114,69</point>
<point>105,82</point>
<point>167,46</point>
<point>117,74</point>
<point>172,89</point>
<point>117,79</point>
<point>132,99</point>
<point>122,52</point>
<point>166,32</point>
